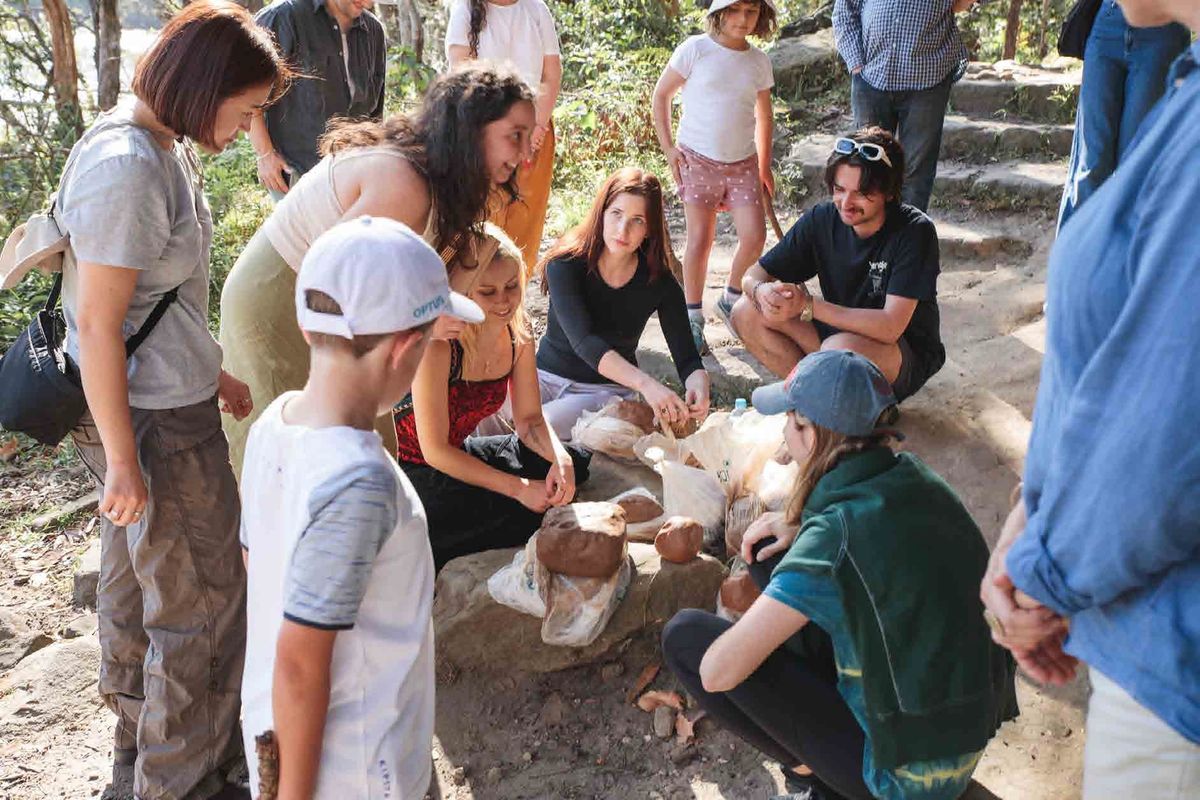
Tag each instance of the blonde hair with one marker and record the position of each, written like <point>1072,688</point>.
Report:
<point>493,244</point>
<point>829,447</point>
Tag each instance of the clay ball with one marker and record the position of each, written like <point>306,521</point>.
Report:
<point>679,539</point>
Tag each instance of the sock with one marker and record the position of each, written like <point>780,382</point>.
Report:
<point>695,311</point>
<point>732,295</point>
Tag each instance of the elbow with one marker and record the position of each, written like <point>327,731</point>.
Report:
<point>714,679</point>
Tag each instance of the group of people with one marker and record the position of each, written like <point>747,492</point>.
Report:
<point>388,409</point>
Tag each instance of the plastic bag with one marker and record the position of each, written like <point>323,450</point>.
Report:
<point>691,492</point>
<point>734,449</point>
<point>516,585</point>
<point>605,433</point>
<point>741,514</point>
<point>644,530</point>
<point>775,483</point>
<point>578,609</point>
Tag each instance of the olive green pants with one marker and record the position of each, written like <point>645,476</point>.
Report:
<point>261,340</point>
<point>172,604</point>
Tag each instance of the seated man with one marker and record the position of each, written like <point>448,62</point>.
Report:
<point>877,263</point>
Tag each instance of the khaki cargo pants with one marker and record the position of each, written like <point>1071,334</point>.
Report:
<point>171,602</point>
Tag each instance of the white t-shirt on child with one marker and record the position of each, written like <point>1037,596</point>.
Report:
<point>521,34</point>
<point>719,95</point>
<point>337,540</point>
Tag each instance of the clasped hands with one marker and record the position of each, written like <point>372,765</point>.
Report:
<point>779,301</point>
<point>1033,633</point>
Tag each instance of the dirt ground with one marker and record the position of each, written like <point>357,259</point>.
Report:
<point>573,734</point>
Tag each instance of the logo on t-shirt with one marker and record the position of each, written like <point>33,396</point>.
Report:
<point>877,271</point>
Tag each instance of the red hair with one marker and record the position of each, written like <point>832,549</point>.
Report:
<point>586,240</point>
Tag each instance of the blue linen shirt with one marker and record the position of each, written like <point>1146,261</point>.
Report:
<point>901,45</point>
<point>1112,477</point>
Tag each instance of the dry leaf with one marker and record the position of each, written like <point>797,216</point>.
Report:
<point>647,676</point>
<point>685,726</point>
<point>9,449</point>
<point>652,700</point>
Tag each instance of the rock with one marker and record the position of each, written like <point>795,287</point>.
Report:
<point>17,639</point>
<point>806,65</point>
<point>739,592</point>
<point>459,776</point>
<point>50,690</point>
<point>612,671</point>
<point>664,722</point>
<point>83,625</point>
<point>682,753</point>
<point>493,775</point>
<point>553,710</point>
<point>87,577</point>
<point>472,631</point>
<point>585,540</point>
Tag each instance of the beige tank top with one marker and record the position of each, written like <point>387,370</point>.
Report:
<point>311,207</point>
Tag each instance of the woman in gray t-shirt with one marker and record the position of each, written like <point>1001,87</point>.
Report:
<point>172,583</point>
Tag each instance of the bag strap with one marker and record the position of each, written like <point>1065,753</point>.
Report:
<point>135,341</point>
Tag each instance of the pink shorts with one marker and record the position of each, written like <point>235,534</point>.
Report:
<point>719,185</point>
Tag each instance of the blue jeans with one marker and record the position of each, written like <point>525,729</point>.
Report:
<point>1124,75</point>
<point>915,118</point>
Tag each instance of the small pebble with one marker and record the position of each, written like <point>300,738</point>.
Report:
<point>527,757</point>
<point>664,722</point>
<point>493,775</point>
<point>612,671</point>
<point>459,776</point>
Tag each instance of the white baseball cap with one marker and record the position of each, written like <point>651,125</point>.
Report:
<point>717,5</point>
<point>385,278</point>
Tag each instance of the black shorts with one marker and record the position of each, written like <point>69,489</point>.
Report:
<point>915,368</point>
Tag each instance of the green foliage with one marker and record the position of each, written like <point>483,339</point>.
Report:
<point>984,25</point>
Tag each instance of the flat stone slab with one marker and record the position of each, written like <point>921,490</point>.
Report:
<point>474,632</point>
<point>975,247</point>
<point>980,140</point>
<point>1007,88</point>
<point>87,576</point>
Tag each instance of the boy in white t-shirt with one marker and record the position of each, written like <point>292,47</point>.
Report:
<point>339,655</point>
<point>721,159</point>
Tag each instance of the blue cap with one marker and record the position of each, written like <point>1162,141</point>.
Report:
<point>835,389</point>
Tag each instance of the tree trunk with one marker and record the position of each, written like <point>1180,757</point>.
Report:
<point>66,70</point>
<point>1012,30</point>
<point>410,30</point>
<point>108,54</point>
<point>1044,30</point>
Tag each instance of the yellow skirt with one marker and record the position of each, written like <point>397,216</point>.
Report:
<point>261,341</point>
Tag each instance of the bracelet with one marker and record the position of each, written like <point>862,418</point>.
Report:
<point>264,155</point>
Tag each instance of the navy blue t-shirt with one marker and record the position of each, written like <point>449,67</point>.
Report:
<point>901,258</point>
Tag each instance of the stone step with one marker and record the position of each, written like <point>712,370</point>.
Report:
<point>1006,88</point>
<point>963,247</point>
<point>982,140</point>
<point>998,186</point>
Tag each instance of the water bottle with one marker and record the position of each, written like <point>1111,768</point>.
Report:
<point>739,407</point>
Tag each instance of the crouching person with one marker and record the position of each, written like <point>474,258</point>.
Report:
<point>339,660</point>
<point>877,263</point>
<point>877,552</point>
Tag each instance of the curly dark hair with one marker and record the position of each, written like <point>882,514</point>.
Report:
<point>442,139</point>
<point>876,175</point>
<point>478,23</point>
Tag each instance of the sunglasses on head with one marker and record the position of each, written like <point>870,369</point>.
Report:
<point>869,150</point>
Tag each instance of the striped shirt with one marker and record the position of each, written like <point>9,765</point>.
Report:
<point>901,45</point>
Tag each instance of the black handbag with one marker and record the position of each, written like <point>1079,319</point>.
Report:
<point>1072,39</point>
<point>41,393</point>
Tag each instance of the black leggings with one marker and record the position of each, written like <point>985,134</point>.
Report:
<point>789,708</point>
<point>466,519</point>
